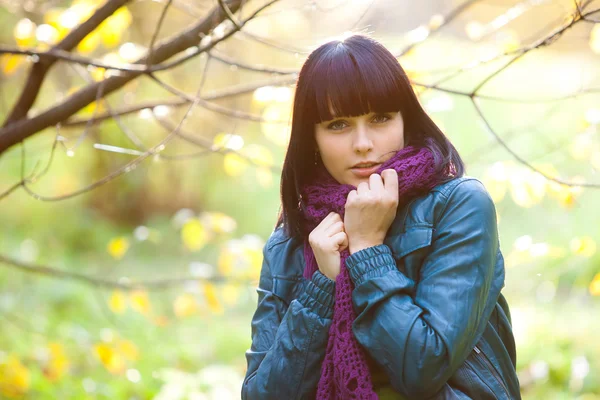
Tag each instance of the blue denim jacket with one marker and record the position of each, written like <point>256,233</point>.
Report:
<point>430,314</point>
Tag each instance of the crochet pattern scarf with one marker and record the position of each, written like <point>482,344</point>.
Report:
<point>344,372</point>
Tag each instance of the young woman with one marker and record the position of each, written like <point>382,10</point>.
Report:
<point>382,278</point>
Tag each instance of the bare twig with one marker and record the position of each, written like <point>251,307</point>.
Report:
<point>447,19</point>
<point>522,160</point>
<point>157,31</point>
<point>20,130</point>
<point>123,283</point>
<point>56,54</point>
<point>130,165</point>
<point>209,146</point>
<point>214,95</point>
<point>39,69</point>
<point>215,107</point>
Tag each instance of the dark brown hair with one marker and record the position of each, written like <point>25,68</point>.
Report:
<point>351,77</point>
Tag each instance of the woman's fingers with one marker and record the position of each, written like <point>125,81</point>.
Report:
<point>390,181</point>
<point>376,184</point>
<point>334,228</point>
<point>362,188</point>
<point>351,196</point>
<point>329,220</point>
<point>341,240</point>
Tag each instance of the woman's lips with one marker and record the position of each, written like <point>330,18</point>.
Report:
<point>365,172</point>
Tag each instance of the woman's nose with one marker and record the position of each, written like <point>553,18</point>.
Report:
<point>362,140</point>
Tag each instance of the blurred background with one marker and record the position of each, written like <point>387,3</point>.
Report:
<point>133,216</point>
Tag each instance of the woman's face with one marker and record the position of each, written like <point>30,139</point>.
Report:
<point>347,141</point>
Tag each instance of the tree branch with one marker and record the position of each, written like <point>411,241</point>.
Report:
<point>20,130</point>
<point>40,68</point>
<point>213,95</point>
<point>123,283</point>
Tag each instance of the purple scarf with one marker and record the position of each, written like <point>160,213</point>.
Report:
<point>344,372</point>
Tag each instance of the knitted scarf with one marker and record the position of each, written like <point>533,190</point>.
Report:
<point>344,372</point>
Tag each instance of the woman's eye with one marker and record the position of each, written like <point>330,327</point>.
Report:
<point>336,126</point>
<point>380,118</point>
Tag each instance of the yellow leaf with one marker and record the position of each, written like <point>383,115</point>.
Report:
<point>14,377</point>
<point>10,63</point>
<point>119,21</point>
<point>527,189</point>
<point>210,293</point>
<point>140,301</point>
<point>83,9</point>
<point>242,258</point>
<point>255,259</point>
<point>595,285</point>
<point>536,185</point>
<point>228,141</point>
<point>110,38</point>
<point>231,293</point>
<point>116,365</point>
<point>58,363</point>
<point>227,260</point>
<point>584,246</point>
<point>118,302</point>
<point>567,195</point>
<point>161,320</point>
<point>567,199</point>
<point>263,94</point>
<point>128,349</point>
<point>24,33</point>
<point>495,180</point>
<point>185,305</point>
<point>515,258</point>
<point>259,155</point>
<point>547,169</point>
<point>47,35</point>
<point>264,176</point>
<point>93,107</point>
<point>97,73</point>
<point>117,247</point>
<point>509,40</point>
<point>233,164</point>
<point>554,188</point>
<point>582,145</point>
<point>194,235</point>
<point>112,361</point>
<point>104,352</point>
<point>52,16</point>
<point>557,252</point>
<point>436,21</point>
<point>277,132</point>
<point>219,222</point>
<point>496,189</point>
<point>89,43</point>
<point>223,223</point>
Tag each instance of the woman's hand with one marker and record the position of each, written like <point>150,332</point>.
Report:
<point>327,240</point>
<point>370,210</point>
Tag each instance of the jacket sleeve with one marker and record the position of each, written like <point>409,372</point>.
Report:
<point>288,344</point>
<point>421,333</point>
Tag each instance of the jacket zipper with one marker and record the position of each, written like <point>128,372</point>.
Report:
<point>492,369</point>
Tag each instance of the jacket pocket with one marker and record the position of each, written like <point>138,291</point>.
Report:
<point>485,369</point>
<point>471,379</point>
<point>410,248</point>
<point>287,288</point>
